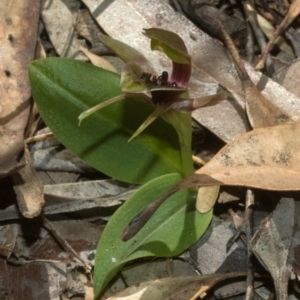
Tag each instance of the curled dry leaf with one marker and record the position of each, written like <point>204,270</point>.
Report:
<point>18,38</point>
<point>180,288</point>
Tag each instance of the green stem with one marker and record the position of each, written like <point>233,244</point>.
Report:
<point>182,122</point>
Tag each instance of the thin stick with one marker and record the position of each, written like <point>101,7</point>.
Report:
<point>293,12</point>
<point>249,232</point>
<point>39,137</point>
<point>64,243</point>
<point>252,17</point>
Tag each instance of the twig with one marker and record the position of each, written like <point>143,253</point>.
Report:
<point>64,243</point>
<point>249,45</point>
<point>70,38</point>
<point>251,15</point>
<point>248,232</point>
<point>293,12</point>
<point>177,6</point>
<point>39,137</point>
<point>199,161</point>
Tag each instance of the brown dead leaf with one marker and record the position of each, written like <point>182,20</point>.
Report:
<point>18,22</point>
<point>29,189</point>
<point>180,288</point>
<point>266,158</point>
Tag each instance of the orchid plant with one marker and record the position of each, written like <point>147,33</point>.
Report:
<point>169,95</point>
<point>154,157</point>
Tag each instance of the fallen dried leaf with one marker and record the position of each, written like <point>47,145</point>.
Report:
<point>181,287</point>
<point>18,38</point>
<point>29,189</point>
<point>266,158</point>
<point>87,190</point>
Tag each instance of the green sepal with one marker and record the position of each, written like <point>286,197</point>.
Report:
<point>127,53</point>
<point>169,43</point>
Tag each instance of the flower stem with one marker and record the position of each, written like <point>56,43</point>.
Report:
<point>182,122</point>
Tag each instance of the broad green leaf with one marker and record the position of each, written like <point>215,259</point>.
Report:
<point>64,88</point>
<point>173,228</point>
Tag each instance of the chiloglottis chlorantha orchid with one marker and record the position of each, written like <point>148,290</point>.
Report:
<point>167,93</point>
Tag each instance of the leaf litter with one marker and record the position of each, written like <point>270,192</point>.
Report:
<point>265,158</point>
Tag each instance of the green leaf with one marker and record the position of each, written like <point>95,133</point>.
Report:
<point>172,229</point>
<point>64,88</point>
